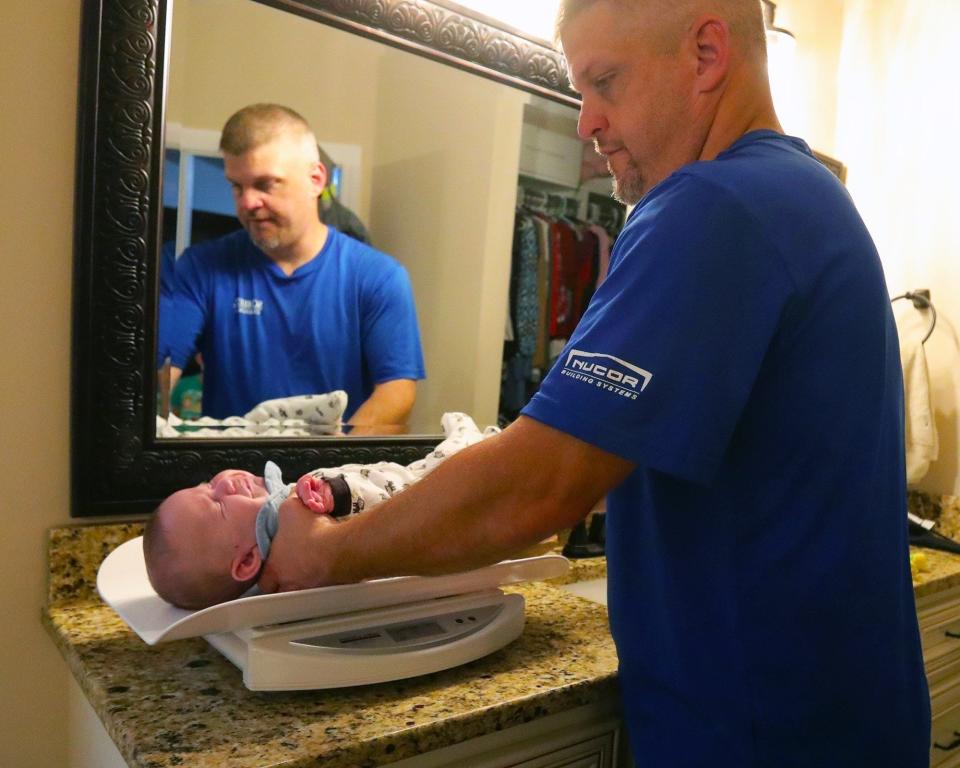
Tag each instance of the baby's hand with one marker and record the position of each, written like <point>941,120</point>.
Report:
<point>315,494</point>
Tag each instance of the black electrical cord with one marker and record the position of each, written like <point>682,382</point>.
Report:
<point>920,300</point>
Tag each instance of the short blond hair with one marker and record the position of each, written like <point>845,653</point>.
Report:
<point>745,17</point>
<point>259,124</point>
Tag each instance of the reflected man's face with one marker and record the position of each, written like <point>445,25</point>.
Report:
<point>275,188</point>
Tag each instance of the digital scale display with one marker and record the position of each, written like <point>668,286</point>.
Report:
<point>415,631</point>
<point>407,635</point>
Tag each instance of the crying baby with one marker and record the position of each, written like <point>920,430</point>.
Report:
<point>208,544</point>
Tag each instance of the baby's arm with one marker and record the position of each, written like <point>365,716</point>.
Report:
<point>315,494</point>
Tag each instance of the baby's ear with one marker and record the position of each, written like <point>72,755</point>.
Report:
<point>246,565</point>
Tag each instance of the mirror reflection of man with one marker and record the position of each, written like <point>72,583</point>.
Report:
<point>288,306</point>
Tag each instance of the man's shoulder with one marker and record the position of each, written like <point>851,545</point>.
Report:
<point>364,259</point>
<point>355,250</point>
<point>688,200</point>
<point>762,164</point>
<point>758,178</point>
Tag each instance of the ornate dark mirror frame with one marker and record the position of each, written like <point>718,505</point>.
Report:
<point>118,466</point>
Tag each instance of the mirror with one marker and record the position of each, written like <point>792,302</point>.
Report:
<point>119,466</point>
<point>434,186</point>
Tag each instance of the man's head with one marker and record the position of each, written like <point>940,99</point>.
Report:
<point>200,545</point>
<point>664,81</point>
<point>273,166</point>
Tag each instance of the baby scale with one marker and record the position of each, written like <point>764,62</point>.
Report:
<point>332,637</point>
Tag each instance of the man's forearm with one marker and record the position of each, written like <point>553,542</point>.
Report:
<point>465,514</point>
<point>389,404</point>
<point>479,507</point>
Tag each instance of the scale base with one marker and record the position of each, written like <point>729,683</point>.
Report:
<point>373,646</point>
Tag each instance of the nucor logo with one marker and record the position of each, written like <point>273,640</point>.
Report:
<point>578,360</point>
<point>248,306</point>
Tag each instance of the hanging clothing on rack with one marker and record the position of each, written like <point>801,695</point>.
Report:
<point>556,264</point>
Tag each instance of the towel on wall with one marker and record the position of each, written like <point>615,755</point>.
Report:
<point>920,434</point>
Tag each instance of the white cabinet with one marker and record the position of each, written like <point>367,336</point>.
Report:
<point>939,616</point>
<point>587,737</point>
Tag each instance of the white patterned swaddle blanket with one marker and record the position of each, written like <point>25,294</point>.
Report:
<point>296,416</point>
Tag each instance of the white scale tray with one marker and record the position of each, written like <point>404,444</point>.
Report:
<point>123,584</point>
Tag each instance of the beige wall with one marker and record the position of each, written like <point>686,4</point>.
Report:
<point>860,65</point>
<point>38,76</point>
<point>818,28</point>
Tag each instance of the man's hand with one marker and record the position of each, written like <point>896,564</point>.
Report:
<point>297,551</point>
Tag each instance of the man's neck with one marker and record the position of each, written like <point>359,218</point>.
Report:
<point>303,251</point>
<point>742,110</point>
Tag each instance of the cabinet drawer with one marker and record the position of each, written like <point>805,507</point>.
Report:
<point>939,618</point>
<point>940,640</point>
<point>945,738</point>
<point>942,674</point>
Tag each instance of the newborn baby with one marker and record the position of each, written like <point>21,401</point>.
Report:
<point>207,544</point>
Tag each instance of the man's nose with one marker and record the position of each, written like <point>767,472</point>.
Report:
<point>249,200</point>
<point>591,123</point>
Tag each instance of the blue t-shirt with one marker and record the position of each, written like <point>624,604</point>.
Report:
<point>344,320</point>
<point>742,353</point>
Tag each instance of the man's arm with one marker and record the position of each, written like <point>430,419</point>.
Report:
<point>389,404</point>
<point>175,374</point>
<point>167,378</point>
<point>479,507</point>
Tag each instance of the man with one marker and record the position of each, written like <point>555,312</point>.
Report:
<point>734,385</point>
<point>288,306</point>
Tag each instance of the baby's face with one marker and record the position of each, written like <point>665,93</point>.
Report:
<point>236,482</point>
<point>230,501</point>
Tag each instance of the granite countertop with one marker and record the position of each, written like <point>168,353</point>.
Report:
<point>182,703</point>
<point>935,571</point>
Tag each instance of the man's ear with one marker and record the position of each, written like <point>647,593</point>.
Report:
<point>246,565</point>
<point>712,36</point>
<point>319,177</point>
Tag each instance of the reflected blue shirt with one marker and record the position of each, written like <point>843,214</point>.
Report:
<point>345,320</point>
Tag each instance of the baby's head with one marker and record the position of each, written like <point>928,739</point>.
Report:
<point>200,546</point>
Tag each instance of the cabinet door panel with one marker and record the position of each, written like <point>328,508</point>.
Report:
<point>598,752</point>
<point>945,735</point>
